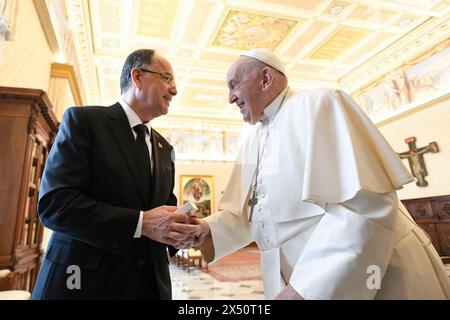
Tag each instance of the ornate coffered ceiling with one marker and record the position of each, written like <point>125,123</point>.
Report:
<point>339,43</point>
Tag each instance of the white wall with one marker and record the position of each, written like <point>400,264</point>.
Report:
<point>25,61</point>
<point>432,123</point>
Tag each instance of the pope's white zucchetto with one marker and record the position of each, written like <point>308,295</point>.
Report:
<point>266,56</point>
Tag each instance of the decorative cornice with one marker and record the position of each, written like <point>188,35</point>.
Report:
<point>39,98</point>
<point>79,14</point>
<point>47,27</point>
<point>66,71</point>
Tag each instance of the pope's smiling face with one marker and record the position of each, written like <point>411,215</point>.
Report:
<point>243,82</point>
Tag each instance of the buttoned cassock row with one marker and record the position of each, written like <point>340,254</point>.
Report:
<point>327,210</point>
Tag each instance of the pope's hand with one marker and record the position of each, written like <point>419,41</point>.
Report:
<point>289,293</point>
<point>203,232</point>
<point>162,224</point>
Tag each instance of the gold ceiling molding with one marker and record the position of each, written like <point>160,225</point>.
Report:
<point>337,8</point>
<point>431,52</point>
<point>195,26</point>
<point>66,71</point>
<point>46,22</point>
<point>53,16</point>
<point>370,45</point>
<point>156,18</point>
<point>406,20</point>
<point>370,14</point>
<point>201,38</point>
<point>310,34</point>
<point>110,15</point>
<point>303,5</point>
<point>338,43</point>
<point>441,6</point>
<point>82,38</point>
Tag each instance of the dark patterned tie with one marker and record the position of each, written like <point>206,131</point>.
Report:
<point>144,157</point>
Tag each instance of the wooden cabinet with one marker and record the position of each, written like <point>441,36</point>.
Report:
<point>27,130</point>
<point>433,215</point>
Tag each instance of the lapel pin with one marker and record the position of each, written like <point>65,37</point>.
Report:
<point>160,145</point>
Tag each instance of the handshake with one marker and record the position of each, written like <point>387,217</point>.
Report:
<point>177,227</point>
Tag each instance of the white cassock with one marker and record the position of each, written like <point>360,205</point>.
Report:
<point>327,220</point>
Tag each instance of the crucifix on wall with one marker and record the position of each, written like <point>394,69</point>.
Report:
<point>416,161</point>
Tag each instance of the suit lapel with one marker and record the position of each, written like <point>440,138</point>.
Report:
<point>157,158</point>
<point>121,131</point>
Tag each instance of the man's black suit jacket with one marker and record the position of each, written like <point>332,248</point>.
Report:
<point>90,196</point>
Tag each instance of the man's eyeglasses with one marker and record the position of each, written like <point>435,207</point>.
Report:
<point>167,77</point>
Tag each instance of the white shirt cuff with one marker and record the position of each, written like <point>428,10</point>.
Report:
<point>138,232</point>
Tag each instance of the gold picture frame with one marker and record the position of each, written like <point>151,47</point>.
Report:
<point>199,190</point>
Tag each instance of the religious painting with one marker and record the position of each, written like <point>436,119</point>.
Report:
<point>386,96</point>
<point>417,82</point>
<point>431,75</point>
<point>373,101</point>
<point>247,30</point>
<point>199,190</point>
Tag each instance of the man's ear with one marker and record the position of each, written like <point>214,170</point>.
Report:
<point>136,77</point>
<point>267,78</point>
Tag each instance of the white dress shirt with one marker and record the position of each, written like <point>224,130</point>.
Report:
<point>134,120</point>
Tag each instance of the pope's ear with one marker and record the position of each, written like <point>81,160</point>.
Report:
<point>267,78</point>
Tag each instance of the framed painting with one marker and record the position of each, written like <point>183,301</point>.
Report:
<point>199,190</point>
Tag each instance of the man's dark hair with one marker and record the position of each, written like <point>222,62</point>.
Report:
<point>136,59</point>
